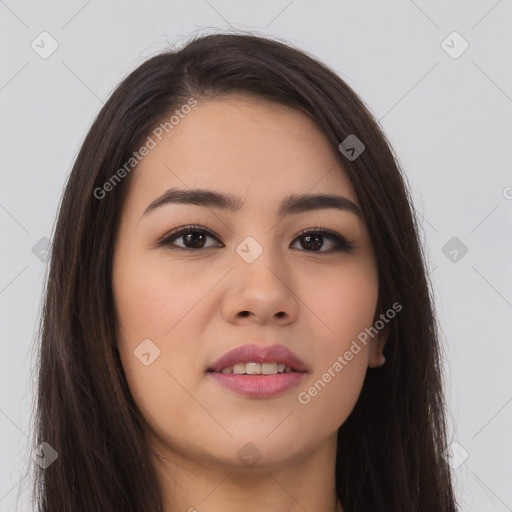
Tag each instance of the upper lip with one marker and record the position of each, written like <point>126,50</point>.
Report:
<point>253,353</point>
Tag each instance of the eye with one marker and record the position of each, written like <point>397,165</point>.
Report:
<point>313,239</point>
<point>193,238</point>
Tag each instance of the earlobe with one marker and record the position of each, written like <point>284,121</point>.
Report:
<point>376,361</point>
<point>376,357</point>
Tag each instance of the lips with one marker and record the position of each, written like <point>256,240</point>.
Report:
<point>250,371</point>
<point>253,353</point>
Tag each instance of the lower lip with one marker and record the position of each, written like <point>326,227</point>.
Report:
<point>258,386</point>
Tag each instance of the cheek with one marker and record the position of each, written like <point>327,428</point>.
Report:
<point>152,296</point>
<point>343,304</point>
<point>155,301</point>
<point>346,304</point>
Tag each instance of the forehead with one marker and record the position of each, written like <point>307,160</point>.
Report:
<point>255,149</point>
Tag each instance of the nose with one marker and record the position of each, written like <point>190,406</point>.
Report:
<point>260,292</point>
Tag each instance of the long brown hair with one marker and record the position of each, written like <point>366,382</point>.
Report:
<point>389,449</point>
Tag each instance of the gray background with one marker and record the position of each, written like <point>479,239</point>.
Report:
<point>448,118</point>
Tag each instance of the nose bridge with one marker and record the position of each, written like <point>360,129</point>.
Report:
<point>257,253</point>
<point>261,246</point>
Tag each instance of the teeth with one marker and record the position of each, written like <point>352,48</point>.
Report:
<point>257,368</point>
<point>239,368</point>
<point>253,368</point>
<point>269,368</point>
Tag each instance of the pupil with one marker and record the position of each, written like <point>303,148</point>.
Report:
<point>316,245</point>
<point>195,239</point>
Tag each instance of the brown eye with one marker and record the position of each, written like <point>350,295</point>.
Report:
<point>314,240</point>
<point>193,237</point>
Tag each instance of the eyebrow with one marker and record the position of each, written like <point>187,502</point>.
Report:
<point>292,204</point>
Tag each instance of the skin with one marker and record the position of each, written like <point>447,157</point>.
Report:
<point>190,304</point>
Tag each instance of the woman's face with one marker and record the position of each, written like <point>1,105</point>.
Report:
<point>251,279</point>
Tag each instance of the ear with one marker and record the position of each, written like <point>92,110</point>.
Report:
<point>375,356</point>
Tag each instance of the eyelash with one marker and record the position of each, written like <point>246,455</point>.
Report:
<point>169,238</point>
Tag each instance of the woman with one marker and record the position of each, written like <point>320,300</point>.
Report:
<point>237,310</point>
